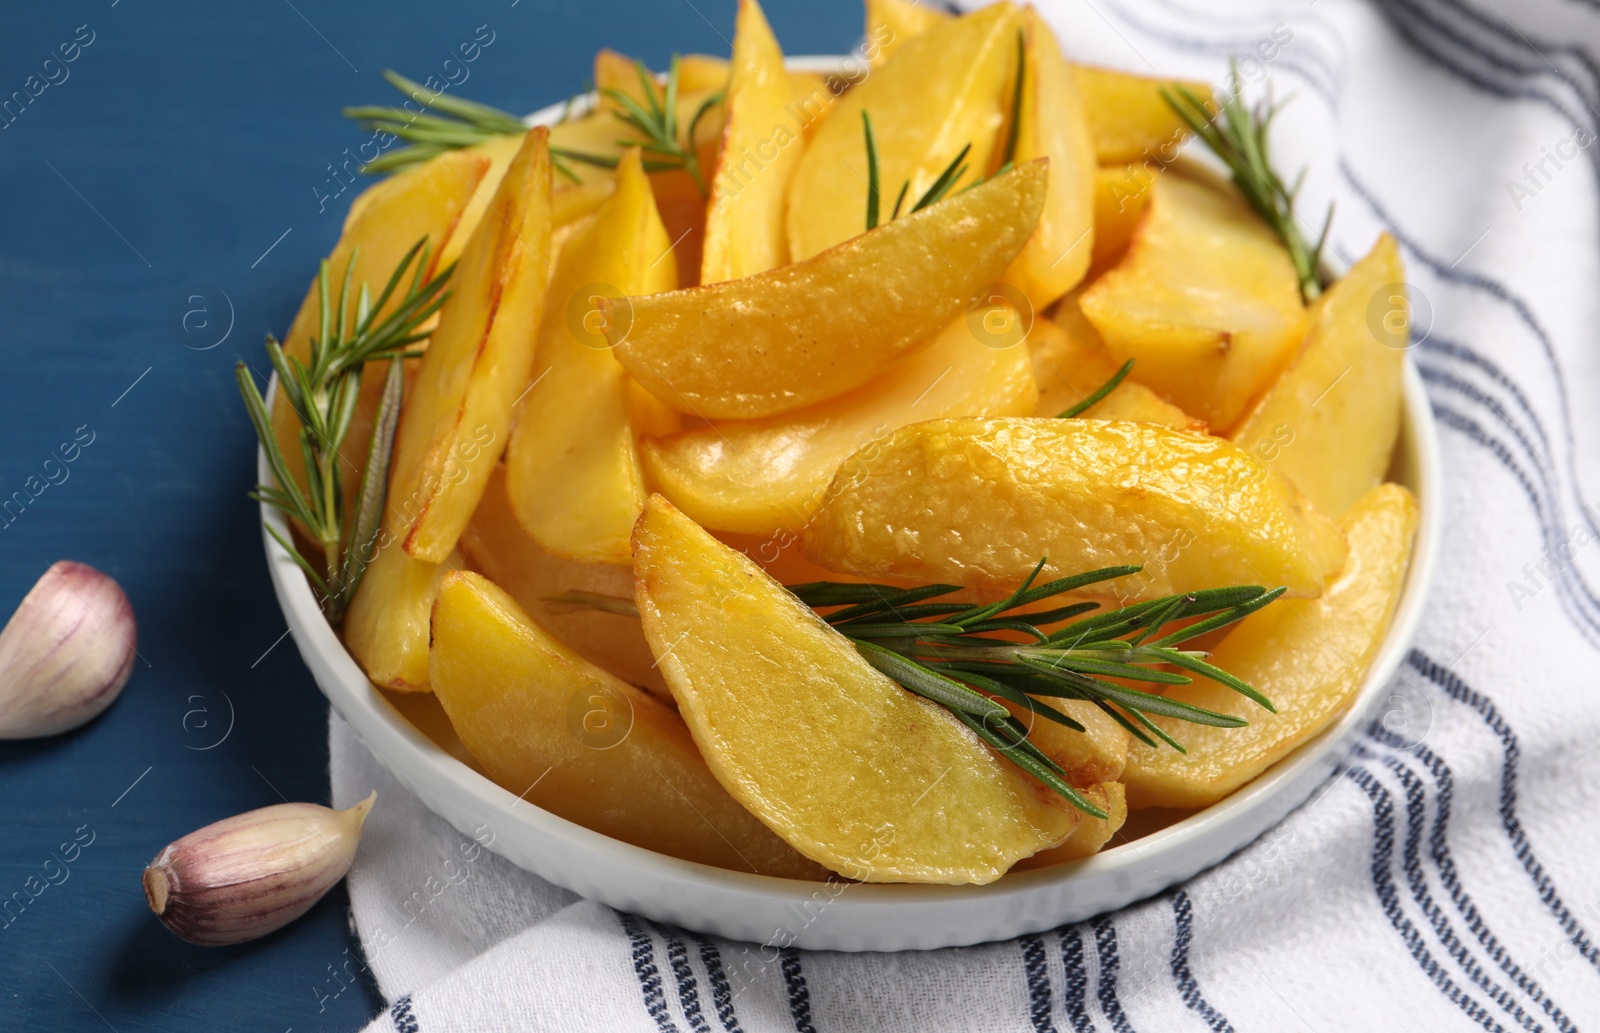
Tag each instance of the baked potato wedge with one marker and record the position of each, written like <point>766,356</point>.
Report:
<point>978,502</point>
<point>1308,656</point>
<point>806,332</point>
<point>852,770</point>
<point>564,735</point>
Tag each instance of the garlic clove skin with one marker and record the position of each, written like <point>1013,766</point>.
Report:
<point>66,653</point>
<point>246,876</point>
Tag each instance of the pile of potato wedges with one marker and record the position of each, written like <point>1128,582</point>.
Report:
<point>687,400</point>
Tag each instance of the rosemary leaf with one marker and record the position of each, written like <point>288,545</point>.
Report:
<point>1098,394</point>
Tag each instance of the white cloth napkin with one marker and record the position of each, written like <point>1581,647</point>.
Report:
<point>1449,877</point>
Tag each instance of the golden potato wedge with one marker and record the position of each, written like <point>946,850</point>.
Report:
<point>477,361</point>
<point>614,71</point>
<point>1121,195</point>
<point>1070,363</point>
<point>1330,421</point>
<point>946,88</point>
<point>386,626</point>
<point>1092,834</point>
<point>497,547</point>
<point>812,98</point>
<point>1206,301</point>
<point>761,144</point>
<point>893,23</point>
<point>849,768</point>
<point>564,735</point>
<point>804,333</point>
<point>766,475</point>
<point>572,471</point>
<point>978,502</point>
<point>679,198</point>
<point>569,201</point>
<point>454,422</point>
<point>1308,657</point>
<point>1095,755</point>
<point>1128,118</point>
<point>1051,124</point>
<point>426,201</point>
<point>702,72</point>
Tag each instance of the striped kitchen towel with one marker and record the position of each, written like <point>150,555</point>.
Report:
<point>1449,875</point>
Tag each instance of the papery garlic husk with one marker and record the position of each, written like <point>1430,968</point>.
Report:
<point>246,876</point>
<point>66,653</point>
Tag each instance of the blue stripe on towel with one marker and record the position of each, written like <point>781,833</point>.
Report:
<point>1105,944</point>
<point>1459,691</point>
<point>644,967</point>
<point>721,989</point>
<point>1411,864</point>
<point>1570,586</point>
<point>1033,969</point>
<point>1188,986</point>
<point>1450,876</point>
<point>1077,980</point>
<point>1389,900</point>
<point>799,995</point>
<point>400,1013</point>
<point>688,986</point>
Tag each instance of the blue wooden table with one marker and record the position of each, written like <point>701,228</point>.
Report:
<point>164,197</point>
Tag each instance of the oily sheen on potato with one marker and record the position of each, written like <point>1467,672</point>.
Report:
<point>744,214</point>
<point>565,735</point>
<point>1308,656</point>
<point>891,23</point>
<point>1051,123</point>
<point>760,476</point>
<point>803,333</point>
<point>944,89</point>
<point>454,423</point>
<point>1129,120</point>
<point>852,770</point>
<point>1329,423</point>
<point>1206,301</point>
<point>477,361</point>
<point>1070,363</point>
<point>1092,834</point>
<point>572,471</point>
<point>979,502</point>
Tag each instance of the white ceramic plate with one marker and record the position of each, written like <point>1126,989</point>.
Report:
<point>849,916</point>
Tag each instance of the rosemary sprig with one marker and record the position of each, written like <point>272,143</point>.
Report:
<point>935,192</point>
<point>1238,135</point>
<point>947,652</point>
<point>656,122</point>
<point>323,391</point>
<point>946,180</point>
<point>453,124</point>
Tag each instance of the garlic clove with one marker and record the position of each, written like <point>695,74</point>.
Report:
<point>66,653</point>
<point>248,875</point>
